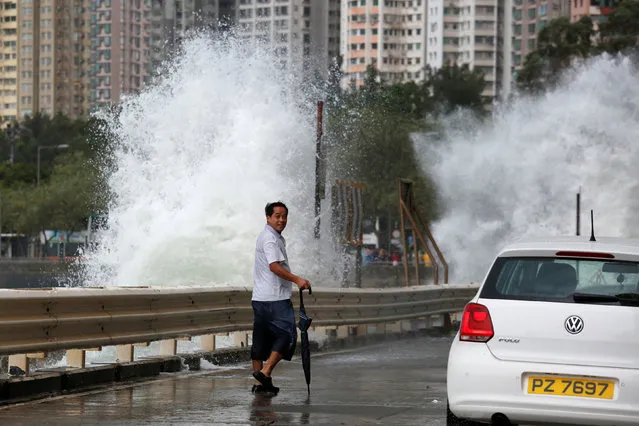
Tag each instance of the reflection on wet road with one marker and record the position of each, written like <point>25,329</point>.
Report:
<point>395,383</point>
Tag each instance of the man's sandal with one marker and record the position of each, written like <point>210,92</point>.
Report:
<point>267,382</point>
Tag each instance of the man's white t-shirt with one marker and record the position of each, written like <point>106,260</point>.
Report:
<point>268,287</point>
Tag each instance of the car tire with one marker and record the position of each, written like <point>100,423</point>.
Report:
<point>453,420</point>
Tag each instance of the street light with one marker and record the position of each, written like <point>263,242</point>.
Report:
<point>11,131</point>
<point>40,147</point>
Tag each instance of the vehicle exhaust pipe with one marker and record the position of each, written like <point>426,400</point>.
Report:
<point>500,419</point>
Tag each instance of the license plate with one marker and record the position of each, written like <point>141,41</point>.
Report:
<point>571,386</point>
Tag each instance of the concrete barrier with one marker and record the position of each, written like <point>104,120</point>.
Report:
<point>64,380</point>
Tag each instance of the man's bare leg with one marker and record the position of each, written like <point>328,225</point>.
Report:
<point>271,362</point>
<point>257,366</point>
<point>266,370</point>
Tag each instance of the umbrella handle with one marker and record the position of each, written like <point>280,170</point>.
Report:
<point>302,298</point>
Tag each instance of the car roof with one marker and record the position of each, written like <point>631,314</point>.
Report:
<point>626,248</point>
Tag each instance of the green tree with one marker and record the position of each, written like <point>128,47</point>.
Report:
<point>370,141</point>
<point>559,44</point>
<point>375,150</point>
<point>620,31</point>
<point>38,130</point>
<point>72,185</point>
<point>373,87</point>
<point>69,195</point>
<point>370,133</point>
<point>409,100</point>
<point>64,202</point>
<point>17,174</point>
<point>455,86</point>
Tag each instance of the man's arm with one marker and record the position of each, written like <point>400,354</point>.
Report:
<point>279,270</point>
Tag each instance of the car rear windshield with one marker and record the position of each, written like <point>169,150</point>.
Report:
<point>559,279</point>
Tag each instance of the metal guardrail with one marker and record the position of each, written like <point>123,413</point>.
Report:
<point>79,318</point>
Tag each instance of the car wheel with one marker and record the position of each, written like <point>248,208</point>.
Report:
<point>453,420</point>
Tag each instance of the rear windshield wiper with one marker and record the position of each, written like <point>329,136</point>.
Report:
<point>594,298</point>
<point>624,299</point>
<point>628,299</point>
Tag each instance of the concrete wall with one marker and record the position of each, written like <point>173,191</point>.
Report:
<point>31,273</point>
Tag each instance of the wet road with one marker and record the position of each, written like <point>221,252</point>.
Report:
<point>395,383</point>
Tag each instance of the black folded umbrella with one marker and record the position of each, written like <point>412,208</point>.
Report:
<point>303,324</point>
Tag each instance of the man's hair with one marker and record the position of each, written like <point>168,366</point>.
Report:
<point>271,206</point>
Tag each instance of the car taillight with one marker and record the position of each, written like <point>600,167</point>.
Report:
<point>476,325</point>
<point>588,254</point>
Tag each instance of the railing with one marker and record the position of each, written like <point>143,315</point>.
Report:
<point>34,322</point>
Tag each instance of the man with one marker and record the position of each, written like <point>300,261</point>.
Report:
<point>274,330</point>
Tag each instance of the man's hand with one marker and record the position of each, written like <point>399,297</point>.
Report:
<point>279,270</point>
<point>303,284</point>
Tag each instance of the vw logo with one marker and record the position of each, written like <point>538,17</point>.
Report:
<point>574,324</point>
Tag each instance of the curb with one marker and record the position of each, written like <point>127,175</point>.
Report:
<point>65,380</point>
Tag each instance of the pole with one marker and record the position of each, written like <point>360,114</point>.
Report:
<point>10,132</point>
<point>38,183</point>
<point>1,226</point>
<point>578,211</point>
<point>318,166</point>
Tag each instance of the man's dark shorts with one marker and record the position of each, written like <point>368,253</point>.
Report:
<point>273,329</point>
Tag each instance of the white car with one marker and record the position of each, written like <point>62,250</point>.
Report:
<point>551,337</point>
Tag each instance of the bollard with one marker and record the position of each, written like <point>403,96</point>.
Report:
<point>239,339</point>
<point>394,327</point>
<point>342,331</point>
<point>447,323</point>
<point>124,353</point>
<point>77,358</point>
<point>380,328</point>
<point>22,360</point>
<point>207,342</point>
<point>168,347</point>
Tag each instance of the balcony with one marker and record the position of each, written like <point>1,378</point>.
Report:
<point>483,31</point>
<point>484,62</point>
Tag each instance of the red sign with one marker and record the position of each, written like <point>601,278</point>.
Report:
<point>605,11</point>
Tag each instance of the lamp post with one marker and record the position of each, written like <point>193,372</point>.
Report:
<point>11,131</point>
<point>41,147</point>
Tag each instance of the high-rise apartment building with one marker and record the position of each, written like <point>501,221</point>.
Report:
<point>52,57</point>
<point>530,17</point>
<point>389,35</point>
<point>120,49</point>
<point>303,33</point>
<point>504,64</point>
<point>492,36</point>
<point>172,19</point>
<point>465,32</point>
<point>71,56</point>
<point>596,9</point>
<point>325,34</point>
<point>9,61</point>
